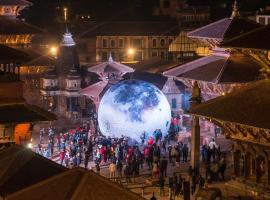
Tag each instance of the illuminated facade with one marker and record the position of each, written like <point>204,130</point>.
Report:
<point>14,31</point>
<point>17,116</point>
<point>127,41</point>
<point>61,85</point>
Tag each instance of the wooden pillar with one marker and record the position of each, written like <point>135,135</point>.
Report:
<point>268,171</point>
<point>195,132</point>
<point>245,165</point>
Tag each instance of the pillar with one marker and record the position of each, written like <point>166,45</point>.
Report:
<point>195,132</point>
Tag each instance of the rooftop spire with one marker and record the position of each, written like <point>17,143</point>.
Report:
<point>235,11</point>
<point>65,18</point>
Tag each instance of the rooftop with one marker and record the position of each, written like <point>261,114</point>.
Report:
<point>14,2</point>
<point>248,106</point>
<point>13,26</point>
<point>249,40</point>
<point>219,68</point>
<point>224,29</point>
<point>131,28</point>
<point>76,184</point>
<point>9,55</point>
<point>110,67</point>
<point>21,167</point>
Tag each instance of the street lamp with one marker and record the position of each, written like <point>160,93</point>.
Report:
<point>54,50</point>
<point>131,51</point>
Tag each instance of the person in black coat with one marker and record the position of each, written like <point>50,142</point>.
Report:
<point>163,166</point>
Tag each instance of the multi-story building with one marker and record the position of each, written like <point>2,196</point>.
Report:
<point>17,116</point>
<point>127,41</point>
<point>186,15</point>
<point>263,16</point>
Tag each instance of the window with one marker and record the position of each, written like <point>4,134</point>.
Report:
<point>72,104</point>
<point>113,43</point>
<point>162,42</point>
<point>262,20</point>
<point>173,103</point>
<point>154,43</point>
<point>121,43</point>
<point>104,56</point>
<point>137,43</point>
<point>154,54</point>
<point>104,43</point>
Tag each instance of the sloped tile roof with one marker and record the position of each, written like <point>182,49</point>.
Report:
<point>21,167</point>
<point>15,2</point>
<point>131,28</point>
<point>11,26</point>
<point>8,54</point>
<point>76,184</point>
<point>22,113</point>
<point>248,106</point>
<point>232,68</point>
<point>255,39</point>
<point>224,29</point>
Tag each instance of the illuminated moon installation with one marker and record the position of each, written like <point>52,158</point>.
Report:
<point>131,107</point>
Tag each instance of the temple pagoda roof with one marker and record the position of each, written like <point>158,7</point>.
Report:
<point>21,167</point>
<point>8,54</point>
<point>95,90</point>
<point>255,39</point>
<point>13,26</point>
<point>248,106</point>
<point>219,68</point>
<point>224,29</point>
<point>21,112</point>
<point>110,67</point>
<point>76,184</point>
<point>15,2</point>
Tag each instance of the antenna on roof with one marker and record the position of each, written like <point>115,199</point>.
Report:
<point>110,60</point>
<point>235,11</point>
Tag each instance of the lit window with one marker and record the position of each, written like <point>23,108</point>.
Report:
<point>154,43</point>
<point>121,43</point>
<point>104,43</point>
<point>112,43</point>
<point>162,42</point>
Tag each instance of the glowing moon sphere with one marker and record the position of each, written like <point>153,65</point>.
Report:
<point>131,107</point>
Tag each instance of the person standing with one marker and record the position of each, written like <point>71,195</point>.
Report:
<point>112,170</point>
<point>185,153</point>
<point>119,167</point>
<point>163,167</point>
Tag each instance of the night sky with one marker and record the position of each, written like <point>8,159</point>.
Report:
<point>46,15</point>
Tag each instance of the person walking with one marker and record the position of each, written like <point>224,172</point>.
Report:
<point>163,167</point>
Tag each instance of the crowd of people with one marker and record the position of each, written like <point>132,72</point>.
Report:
<point>81,146</point>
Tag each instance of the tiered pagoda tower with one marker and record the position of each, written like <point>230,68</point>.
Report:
<point>225,69</point>
<point>61,85</point>
<point>109,73</point>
